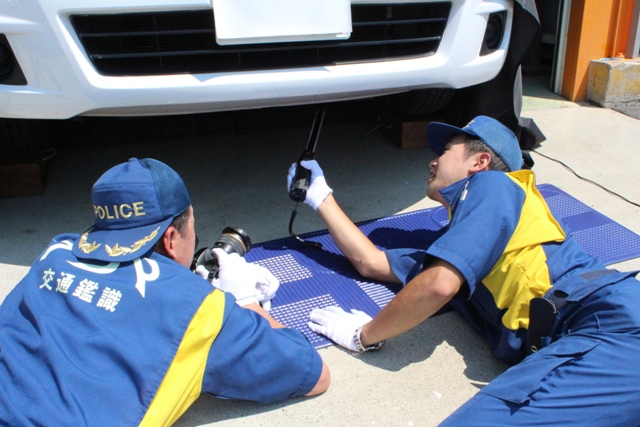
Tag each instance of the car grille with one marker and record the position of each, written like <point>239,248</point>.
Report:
<point>156,43</point>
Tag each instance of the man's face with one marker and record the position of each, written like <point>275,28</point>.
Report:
<point>452,166</point>
<point>186,242</point>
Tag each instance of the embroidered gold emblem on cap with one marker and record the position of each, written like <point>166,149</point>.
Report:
<point>85,247</point>
<point>116,250</point>
<point>123,250</point>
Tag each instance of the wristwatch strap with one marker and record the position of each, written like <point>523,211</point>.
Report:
<point>358,343</point>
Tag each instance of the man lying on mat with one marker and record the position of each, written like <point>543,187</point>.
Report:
<point>112,328</point>
<point>509,267</point>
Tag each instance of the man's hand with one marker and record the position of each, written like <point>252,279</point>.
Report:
<point>247,282</point>
<point>338,325</point>
<point>237,277</point>
<point>266,286</point>
<point>202,271</point>
<point>318,190</point>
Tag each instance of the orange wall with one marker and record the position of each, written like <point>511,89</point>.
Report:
<point>622,28</point>
<point>597,29</point>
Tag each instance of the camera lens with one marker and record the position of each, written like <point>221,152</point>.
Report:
<point>232,240</point>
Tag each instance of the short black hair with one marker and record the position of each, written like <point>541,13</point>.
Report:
<point>179,223</point>
<point>473,146</point>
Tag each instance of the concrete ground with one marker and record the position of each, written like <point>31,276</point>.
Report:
<point>418,378</point>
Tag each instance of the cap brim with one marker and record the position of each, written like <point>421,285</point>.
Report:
<point>119,245</point>
<point>439,134</point>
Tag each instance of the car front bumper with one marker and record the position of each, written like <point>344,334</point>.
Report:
<point>62,81</point>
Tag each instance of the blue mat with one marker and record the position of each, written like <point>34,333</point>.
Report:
<point>314,278</point>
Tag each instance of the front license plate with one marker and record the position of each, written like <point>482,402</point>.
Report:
<point>273,21</point>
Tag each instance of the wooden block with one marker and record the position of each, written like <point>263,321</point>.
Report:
<point>408,134</point>
<point>24,173</point>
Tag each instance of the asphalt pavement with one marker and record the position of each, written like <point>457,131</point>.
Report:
<point>238,178</point>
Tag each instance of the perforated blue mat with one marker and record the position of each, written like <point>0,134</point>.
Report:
<point>314,278</point>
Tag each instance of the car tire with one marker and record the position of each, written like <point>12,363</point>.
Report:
<point>20,134</point>
<point>417,103</point>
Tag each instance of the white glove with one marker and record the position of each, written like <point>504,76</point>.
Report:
<point>266,286</point>
<point>202,271</point>
<point>338,325</point>
<point>237,277</point>
<point>318,189</point>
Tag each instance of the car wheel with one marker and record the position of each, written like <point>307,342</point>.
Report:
<point>20,134</point>
<point>417,102</point>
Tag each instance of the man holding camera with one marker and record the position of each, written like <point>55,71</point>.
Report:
<point>569,326</point>
<point>113,328</point>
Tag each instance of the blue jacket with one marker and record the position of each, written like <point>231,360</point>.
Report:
<point>508,246</point>
<point>126,344</point>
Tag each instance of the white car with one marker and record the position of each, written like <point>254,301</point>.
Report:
<point>65,58</point>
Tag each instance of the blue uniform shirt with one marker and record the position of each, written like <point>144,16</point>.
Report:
<point>135,343</point>
<point>509,247</point>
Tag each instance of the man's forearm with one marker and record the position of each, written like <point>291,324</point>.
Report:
<point>370,261</point>
<point>323,383</point>
<point>261,311</point>
<point>417,301</point>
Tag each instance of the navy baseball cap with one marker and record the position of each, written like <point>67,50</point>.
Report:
<point>133,204</point>
<point>490,131</point>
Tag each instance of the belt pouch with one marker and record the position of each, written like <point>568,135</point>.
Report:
<point>542,315</point>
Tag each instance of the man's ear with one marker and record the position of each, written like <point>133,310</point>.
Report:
<point>482,162</point>
<point>167,243</point>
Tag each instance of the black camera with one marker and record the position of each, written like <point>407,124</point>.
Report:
<point>232,240</point>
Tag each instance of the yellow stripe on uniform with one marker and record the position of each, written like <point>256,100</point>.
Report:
<point>541,225</point>
<point>183,382</point>
<point>522,273</point>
